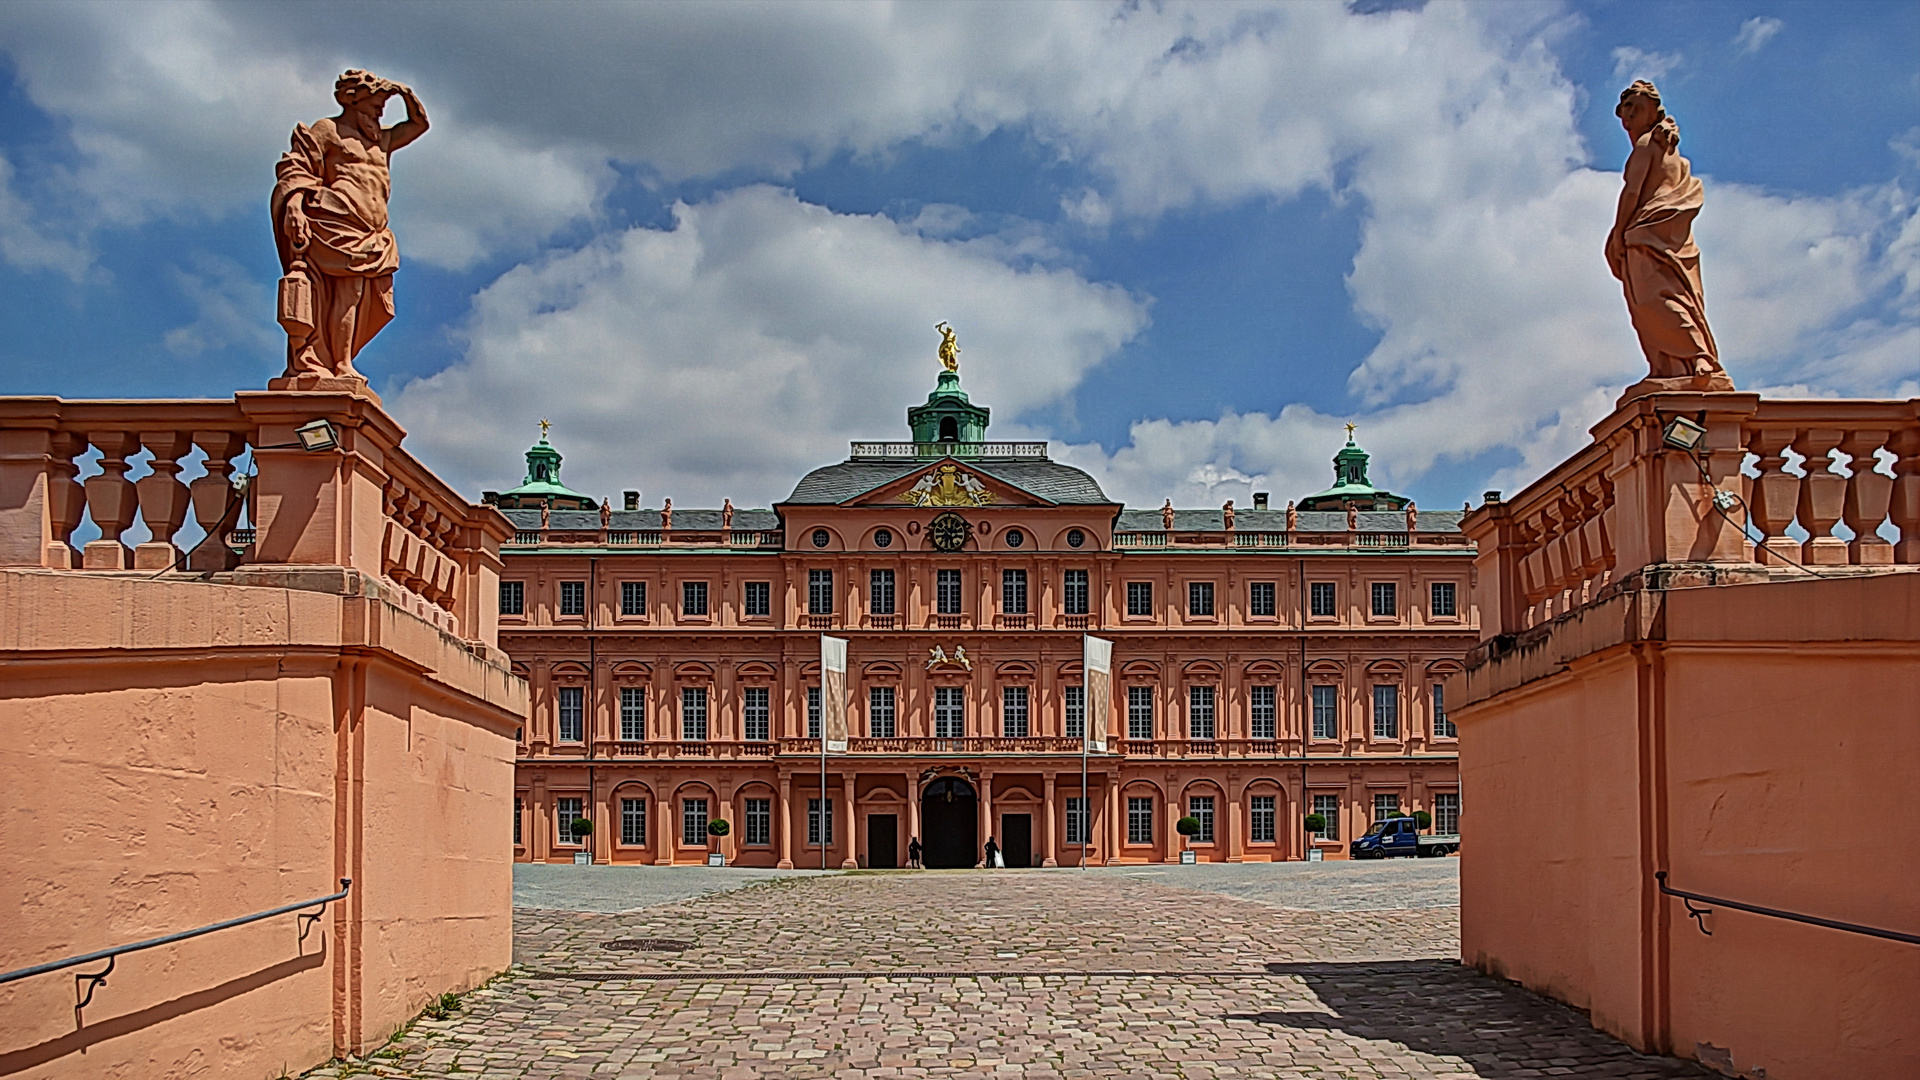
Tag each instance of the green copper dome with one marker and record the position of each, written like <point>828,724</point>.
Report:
<point>948,416</point>
<point>1351,486</point>
<point>542,485</point>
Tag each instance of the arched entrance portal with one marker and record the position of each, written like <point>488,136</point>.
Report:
<point>950,814</point>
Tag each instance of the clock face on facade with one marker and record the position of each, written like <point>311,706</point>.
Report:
<point>949,532</point>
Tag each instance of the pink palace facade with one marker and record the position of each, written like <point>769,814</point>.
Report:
<point>1268,663</point>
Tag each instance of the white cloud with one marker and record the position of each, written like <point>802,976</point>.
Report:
<point>1756,32</point>
<point>1632,63</point>
<point>24,243</point>
<point>232,309</point>
<point>727,355</point>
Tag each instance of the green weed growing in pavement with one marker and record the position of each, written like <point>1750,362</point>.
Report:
<point>441,1007</point>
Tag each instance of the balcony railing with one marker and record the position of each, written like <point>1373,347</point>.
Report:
<point>816,622</point>
<point>947,622</point>
<point>883,622</point>
<point>1013,622</point>
<point>1077,622</point>
<point>1146,539</point>
<point>914,450</point>
<point>910,745</point>
<point>1629,501</point>
<point>1260,539</point>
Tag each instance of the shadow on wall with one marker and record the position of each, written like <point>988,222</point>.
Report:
<point>92,1033</point>
<point>1443,1007</point>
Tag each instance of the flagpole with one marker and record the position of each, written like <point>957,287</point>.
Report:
<point>824,819</point>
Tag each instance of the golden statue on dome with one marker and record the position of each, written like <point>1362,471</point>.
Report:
<point>949,346</point>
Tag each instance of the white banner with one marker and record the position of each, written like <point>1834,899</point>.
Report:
<point>1097,665</point>
<point>833,693</point>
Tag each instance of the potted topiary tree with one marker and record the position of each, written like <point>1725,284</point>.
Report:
<point>1314,823</point>
<point>1423,820</point>
<point>583,830</point>
<point>1188,827</point>
<point>716,829</point>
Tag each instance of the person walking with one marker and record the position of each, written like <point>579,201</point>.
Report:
<point>993,855</point>
<point>913,852</point>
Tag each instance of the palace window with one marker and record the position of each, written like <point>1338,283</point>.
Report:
<point>1076,702</point>
<point>1013,592</point>
<point>519,812</point>
<point>819,592</point>
<point>693,713</point>
<point>756,715</point>
<point>759,822</point>
<point>633,822</point>
<point>1015,538</point>
<point>813,712</point>
<point>1139,712</point>
<point>1076,819</point>
<point>1442,727</point>
<point>1265,715</point>
<point>1260,600</point>
<point>566,812</point>
<point>1013,712</point>
<point>1140,820</point>
<point>819,826</point>
<point>949,712</point>
<point>513,598</point>
<point>633,598</point>
<point>883,538</point>
<point>1073,593</point>
<point>821,538</point>
<point>1320,598</point>
<point>693,598</point>
<point>1386,600</point>
<point>572,713</point>
<point>1444,603</point>
<point>880,713</point>
<point>1261,807</point>
<point>757,599</point>
<point>1200,718</point>
<point>1328,806</point>
<point>1385,806</point>
<point>946,592</point>
<point>1075,538</point>
<point>573,598</point>
<point>1139,598</point>
<point>1201,808</point>
<point>633,714</point>
<point>1200,598</point>
<point>693,822</point>
<point>1386,712</point>
<point>1446,812</point>
<point>1326,712</point>
<point>880,592</point>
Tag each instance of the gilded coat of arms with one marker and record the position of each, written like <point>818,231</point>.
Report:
<point>948,486</point>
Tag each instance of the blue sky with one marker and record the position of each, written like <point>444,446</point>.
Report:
<point>1185,243</point>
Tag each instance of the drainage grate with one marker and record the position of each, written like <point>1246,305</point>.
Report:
<point>646,944</point>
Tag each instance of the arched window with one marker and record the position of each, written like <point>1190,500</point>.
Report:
<point>949,429</point>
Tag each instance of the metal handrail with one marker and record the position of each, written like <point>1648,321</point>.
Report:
<point>1832,924</point>
<point>99,978</point>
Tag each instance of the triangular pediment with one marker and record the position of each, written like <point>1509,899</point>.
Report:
<point>949,483</point>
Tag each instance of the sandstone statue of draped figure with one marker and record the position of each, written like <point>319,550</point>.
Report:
<point>1651,251</point>
<point>330,225</point>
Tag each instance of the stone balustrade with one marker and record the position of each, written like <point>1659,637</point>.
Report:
<point>1629,505</point>
<point>364,504</point>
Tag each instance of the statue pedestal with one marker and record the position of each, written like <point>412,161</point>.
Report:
<point>1684,384</point>
<point>328,384</point>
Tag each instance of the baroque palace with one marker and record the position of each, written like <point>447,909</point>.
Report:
<point>1267,663</point>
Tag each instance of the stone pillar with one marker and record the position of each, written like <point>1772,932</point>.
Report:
<point>1114,824</point>
<point>849,862</point>
<point>785,823</point>
<point>600,809</point>
<point>1236,842</point>
<point>913,807</point>
<point>730,803</point>
<point>1175,842</point>
<point>669,837</point>
<point>986,812</point>
<point>1053,833</point>
<point>540,839</point>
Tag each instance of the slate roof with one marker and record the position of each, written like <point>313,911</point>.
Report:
<point>1148,521</point>
<point>639,520</point>
<point>1048,479</point>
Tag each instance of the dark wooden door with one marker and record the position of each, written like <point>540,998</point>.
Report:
<point>951,817</point>
<point>882,850</point>
<point>1016,839</point>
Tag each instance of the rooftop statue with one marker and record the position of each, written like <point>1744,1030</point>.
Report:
<point>1651,250</point>
<point>949,346</point>
<point>330,225</point>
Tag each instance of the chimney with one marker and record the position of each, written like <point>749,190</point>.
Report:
<point>489,498</point>
<point>631,499</point>
<point>1259,500</point>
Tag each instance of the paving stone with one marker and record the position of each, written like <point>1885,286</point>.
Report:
<point>1234,972</point>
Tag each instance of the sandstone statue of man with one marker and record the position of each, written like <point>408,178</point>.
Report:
<point>1651,251</point>
<point>330,224</point>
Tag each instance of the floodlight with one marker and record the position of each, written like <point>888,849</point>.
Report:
<point>1682,433</point>
<point>316,435</point>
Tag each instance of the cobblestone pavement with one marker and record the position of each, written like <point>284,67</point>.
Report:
<point>1341,885</point>
<point>614,889</point>
<point>1034,974</point>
